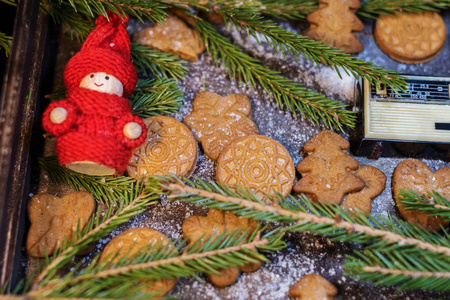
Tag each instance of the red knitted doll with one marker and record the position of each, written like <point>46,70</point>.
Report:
<point>94,126</point>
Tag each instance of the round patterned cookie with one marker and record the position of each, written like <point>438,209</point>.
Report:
<point>258,163</point>
<point>170,149</point>
<point>130,242</point>
<point>411,38</point>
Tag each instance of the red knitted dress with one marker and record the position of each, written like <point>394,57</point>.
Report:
<point>95,114</point>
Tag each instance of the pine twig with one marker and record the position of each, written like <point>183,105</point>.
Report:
<point>434,205</point>
<point>158,262</point>
<point>107,189</point>
<point>133,204</point>
<point>286,92</point>
<point>5,43</point>
<point>373,8</point>
<point>183,192</point>
<point>155,97</point>
<point>398,265</point>
<point>283,40</point>
<point>149,61</point>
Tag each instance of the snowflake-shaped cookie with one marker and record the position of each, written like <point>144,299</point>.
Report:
<point>259,163</point>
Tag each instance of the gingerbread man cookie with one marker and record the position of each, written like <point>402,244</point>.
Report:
<point>217,121</point>
<point>259,163</point>
<point>54,219</point>
<point>170,149</point>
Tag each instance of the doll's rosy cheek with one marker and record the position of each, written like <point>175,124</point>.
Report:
<point>102,82</point>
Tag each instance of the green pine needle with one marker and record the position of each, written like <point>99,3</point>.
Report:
<point>373,8</point>
<point>160,262</point>
<point>401,266</point>
<point>106,189</point>
<point>149,61</point>
<point>287,93</point>
<point>155,97</point>
<point>134,202</point>
<point>284,41</point>
<point>434,205</point>
<point>396,240</point>
<point>5,43</point>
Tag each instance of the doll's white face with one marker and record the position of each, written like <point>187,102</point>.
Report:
<point>102,82</point>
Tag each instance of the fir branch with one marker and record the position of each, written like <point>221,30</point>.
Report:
<point>283,40</point>
<point>107,189</point>
<point>149,61</point>
<point>322,220</point>
<point>151,10</point>
<point>155,97</point>
<point>434,205</point>
<point>77,25</point>
<point>5,43</point>
<point>161,262</point>
<point>288,9</point>
<point>133,203</point>
<point>401,266</point>
<point>286,92</point>
<point>373,8</point>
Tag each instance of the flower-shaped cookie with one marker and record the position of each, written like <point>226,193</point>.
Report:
<point>258,163</point>
<point>218,222</point>
<point>54,219</point>
<point>129,243</point>
<point>217,121</point>
<point>170,149</point>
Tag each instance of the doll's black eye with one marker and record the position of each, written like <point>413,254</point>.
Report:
<point>92,75</point>
<point>107,77</point>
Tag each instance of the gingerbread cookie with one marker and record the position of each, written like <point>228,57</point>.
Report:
<point>217,121</point>
<point>217,222</point>
<point>173,37</point>
<point>416,175</point>
<point>129,243</point>
<point>259,163</point>
<point>375,182</point>
<point>328,172</point>
<point>412,37</point>
<point>335,24</point>
<point>170,149</point>
<point>54,219</point>
<point>312,287</point>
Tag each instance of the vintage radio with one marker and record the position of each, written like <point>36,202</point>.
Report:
<point>409,121</point>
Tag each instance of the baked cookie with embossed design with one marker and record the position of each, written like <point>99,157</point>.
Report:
<point>259,163</point>
<point>170,149</point>
<point>411,38</point>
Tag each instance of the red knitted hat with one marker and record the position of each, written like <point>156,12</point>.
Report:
<point>107,49</point>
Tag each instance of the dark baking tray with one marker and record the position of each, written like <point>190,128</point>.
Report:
<point>24,77</point>
<point>30,68</point>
